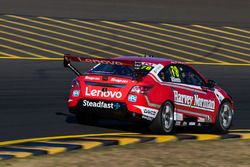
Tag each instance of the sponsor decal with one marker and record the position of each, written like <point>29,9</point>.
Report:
<point>183,99</point>
<point>150,112</point>
<point>191,123</point>
<point>76,93</point>
<point>147,117</point>
<point>117,106</point>
<point>200,119</point>
<point>92,78</point>
<point>157,69</point>
<point>99,93</point>
<point>178,123</point>
<point>218,95</point>
<point>101,104</point>
<point>204,103</point>
<point>147,64</point>
<point>194,101</point>
<point>118,80</point>
<point>132,98</point>
<point>184,123</point>
<point>103,61</point>
<point>173,79</point>
<point>178,116</point>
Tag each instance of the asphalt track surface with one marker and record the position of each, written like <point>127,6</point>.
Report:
<point>225,12</point>
<point>33,93</point>
<point>33,99</point>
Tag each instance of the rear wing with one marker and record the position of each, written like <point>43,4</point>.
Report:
<point>68,58</point>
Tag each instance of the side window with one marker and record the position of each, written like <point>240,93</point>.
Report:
<point>189,76</point>
<point>170,74</point>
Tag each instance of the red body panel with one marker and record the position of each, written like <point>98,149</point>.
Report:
<point>190,102</point>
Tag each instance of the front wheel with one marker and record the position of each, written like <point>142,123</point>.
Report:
<point>164,121</point>
<point>224,118</point>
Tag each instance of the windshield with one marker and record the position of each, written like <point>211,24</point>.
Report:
<point>119,70</point>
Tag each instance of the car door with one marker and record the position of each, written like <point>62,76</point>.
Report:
<point>182,94</point>
<point>204,100</point>
<point>190,95</point>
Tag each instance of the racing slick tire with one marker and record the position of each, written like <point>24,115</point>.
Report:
<point>224,118</point>
<point>164,121</point>
<point>86,118</point>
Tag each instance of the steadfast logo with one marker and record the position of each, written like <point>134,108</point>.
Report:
<point>194,101</point>
<point>99,93</point>
<point>99,104</point>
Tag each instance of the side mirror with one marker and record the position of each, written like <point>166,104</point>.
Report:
<point>211,83</point>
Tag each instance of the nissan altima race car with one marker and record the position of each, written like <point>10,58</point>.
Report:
<point>164,93</point>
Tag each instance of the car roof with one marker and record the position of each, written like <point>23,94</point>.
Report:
<point>154,60</point>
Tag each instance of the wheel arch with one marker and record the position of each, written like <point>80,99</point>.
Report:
<point>226,100</point>
<point>217,126</point>
<point>219,107</point>
<point>168,100</point>
<point>157,124</point>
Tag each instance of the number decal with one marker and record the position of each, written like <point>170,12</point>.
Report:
<point>175,71</point>
<point>145,67</point>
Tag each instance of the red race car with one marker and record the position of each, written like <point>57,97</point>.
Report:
<point>162,92</point>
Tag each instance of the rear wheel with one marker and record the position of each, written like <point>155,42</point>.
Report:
<point>164,121</point>
<point>224,118</point>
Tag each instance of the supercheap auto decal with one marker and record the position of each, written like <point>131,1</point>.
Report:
<point>92,78</point>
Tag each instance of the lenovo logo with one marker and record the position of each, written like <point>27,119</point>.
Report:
<point>100,93</point>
